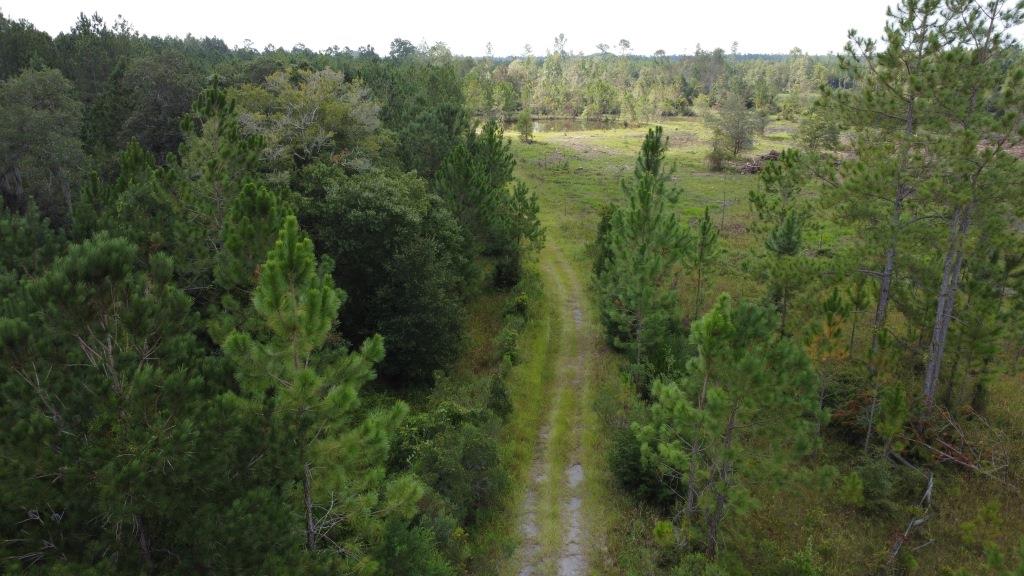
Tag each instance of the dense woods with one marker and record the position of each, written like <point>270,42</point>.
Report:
<point>208,254</point>
<point>294,312</point>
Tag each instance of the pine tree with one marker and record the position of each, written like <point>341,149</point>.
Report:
<point>931,119</point>
<point>524,125</point>
<point>745,384</point>
<point>857,295</point>
<point>647,244</point>
<point>877,187</point>
<point>334,456</point>
<point>106,394</point>
<point>975,183</point>
<point>783,217</point>
<point>499,221</point>
<point>703,256</point>
<point>252,223</point>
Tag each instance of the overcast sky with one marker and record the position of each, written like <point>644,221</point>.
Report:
<point>466,26</point>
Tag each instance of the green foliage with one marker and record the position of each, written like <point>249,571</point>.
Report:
<point>399,256</point>
<point>22,46</point>
<point>783,217</point>
<point>746,384</point>
<point>422,100</point>
<point>819,131</point>
<point>524,125</point>
<point>929,175</point>
<point>253,220</point>
<point>27,245</point>
<point>646,244</point>
<point>454,450</point>
<point>412,551</point>
<point>304,116</point>
<point>155,122</point>
<point>41,155</point>
<point>893,413</point>
<point>602,245</point>
<point>704,254</point>
<point>110,404</point>
<point>310,397</point>
<point>851,491</point>
<point>636,476</point>
<point>733,126</point>
<point>498,221</point>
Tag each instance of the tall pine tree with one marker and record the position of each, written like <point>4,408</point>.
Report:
<point>646,245</point>
<point>333,455</point>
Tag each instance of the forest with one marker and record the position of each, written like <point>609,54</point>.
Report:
<point>285,311</point>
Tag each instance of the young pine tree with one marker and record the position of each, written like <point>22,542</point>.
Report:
<point>783,217</point>
<point>646,245</point>
<point>703,256</point>
<point>746,384</point>
<point>498,214</point>
<point>333,456</point>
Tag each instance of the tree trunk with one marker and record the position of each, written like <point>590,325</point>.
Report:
<point>721,496</point>
<point>307,495</point>
<point>691,481</point>
<point>947,300</point>
<point>144,545</point>
<point>697,307</point>
<point>882,308</point>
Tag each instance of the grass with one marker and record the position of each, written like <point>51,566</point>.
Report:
<point>574,174</point>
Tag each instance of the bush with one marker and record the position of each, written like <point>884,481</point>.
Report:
<point>888,489</point>
<point>412,550</point>
<point>462,465</point>
<point>851,491</point>
<point>524,125</point>
<point>508,270</point>
<point>804,563</point>
<point>716,158</point>
<point>633,475</point>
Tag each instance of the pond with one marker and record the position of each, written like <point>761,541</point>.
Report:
<point>571,124</point>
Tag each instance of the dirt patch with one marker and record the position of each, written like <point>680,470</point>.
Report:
<point>530,549</point>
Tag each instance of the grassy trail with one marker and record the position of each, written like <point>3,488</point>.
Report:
<point>567,507</point>
<point>554,529</point>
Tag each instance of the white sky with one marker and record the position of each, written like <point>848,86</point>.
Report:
<point>466,26</point>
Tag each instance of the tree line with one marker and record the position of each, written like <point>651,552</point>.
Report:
<point>643,88</point>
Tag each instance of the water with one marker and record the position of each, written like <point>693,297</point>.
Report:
<point>570,124</point>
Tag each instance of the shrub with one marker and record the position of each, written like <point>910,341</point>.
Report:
<point>462,465</point>
<point>524,125</point>
<point>636,478</point>
<point>716,158</point>
<point>412,550</point>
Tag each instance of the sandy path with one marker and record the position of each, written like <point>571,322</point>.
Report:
<point>578,342</point>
